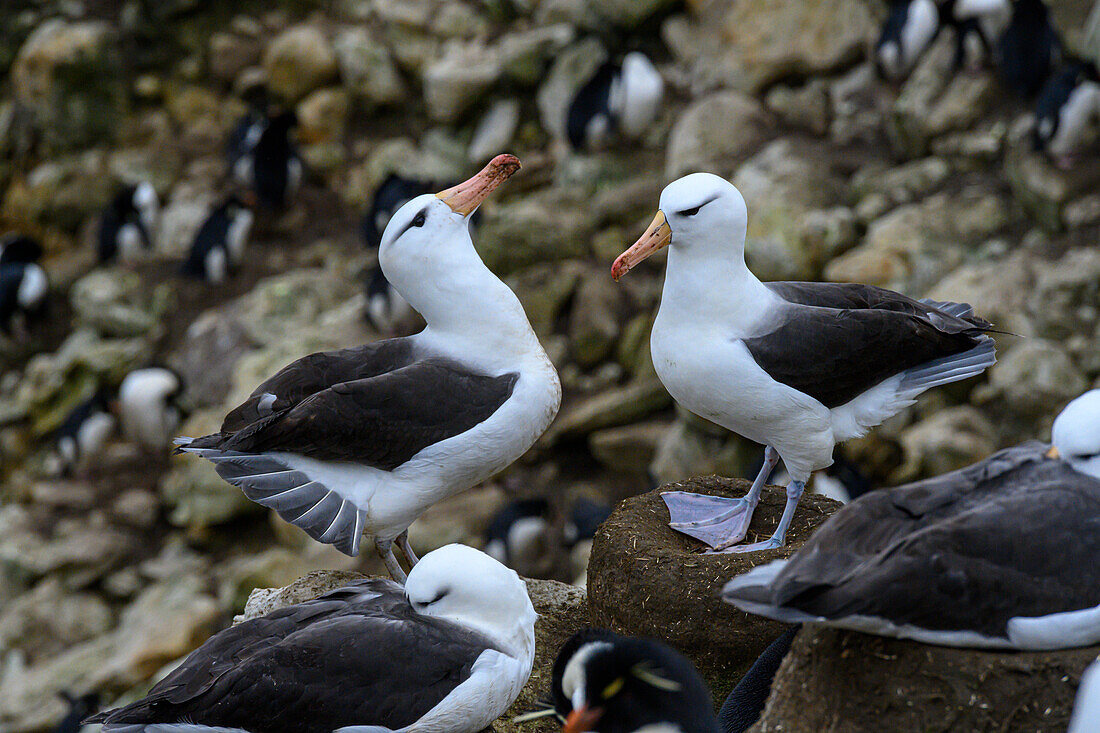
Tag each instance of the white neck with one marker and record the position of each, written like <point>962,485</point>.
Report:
<point>713,288</point>
<point>516,638</point>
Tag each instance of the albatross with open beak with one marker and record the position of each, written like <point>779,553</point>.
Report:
<point>364,440</point>
<point>796,366</point>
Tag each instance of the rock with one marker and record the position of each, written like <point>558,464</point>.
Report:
<point>540,227</point>
<point>935,101</point>
<point>185,209</point>
<point>877,683</point>
<point>526,54</point>
<point>781,185</point>
<point>693,446</point>
<point>572,68</point>
<point>713,132</point>
<point>367,68</point>
<point>323,115</point>
<point>298,61</point>
<point>48,619</point>
<point>1066,295</point>
<point>495,131</point>
<point>594,322</point>
<point>904,183</point>
<point>619,406</point>
<point>457,80</point>
<point>275,566</point>
<point>858,107</point>
<point>1083,211</point>
<point>998,290</point>
<point>230,54</point>
<point>562,611</point>
<point>628,13</point>
<point>630,448</point>
<point>115,302</point>
<point>462,518</point>
<point>945,441</point>
<point>807,106</point>
<point>213,344</point>
<point>61,193</point>
<point>69,75</point>
<point>1035,375</point>
<point>1041,188</point>
<point>750,45</point>
<point>646,580</point>
<point>544,289</point>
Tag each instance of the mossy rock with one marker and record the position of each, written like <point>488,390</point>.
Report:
<point>645,579</point>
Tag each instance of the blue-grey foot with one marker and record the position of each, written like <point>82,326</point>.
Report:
<point>715,520</point>
<point>779,538</point>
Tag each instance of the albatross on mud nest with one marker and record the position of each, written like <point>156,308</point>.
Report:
<point>366,439</point>
<point>450,651</point>
<point>796,366</point>
<point>1002,554</point>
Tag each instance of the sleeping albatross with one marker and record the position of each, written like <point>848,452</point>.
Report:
<point>365,439</point>
<point>796,366</point>
<point>1002,554</point>
<point>448,652</point>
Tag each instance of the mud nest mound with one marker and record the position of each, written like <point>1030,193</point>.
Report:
<point>834,680</point>
<point>647,580</point>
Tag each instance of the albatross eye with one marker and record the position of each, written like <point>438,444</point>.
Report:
<point>690,212</point>
<point>419,220</point>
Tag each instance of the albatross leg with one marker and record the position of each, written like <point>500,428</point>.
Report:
<point>716,520</point>
<point>406,549</point>
<point>794,493</point>
<point>385,551</point>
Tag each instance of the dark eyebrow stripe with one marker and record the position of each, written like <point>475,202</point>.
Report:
<point>715,197</point>
<point>409,225</point>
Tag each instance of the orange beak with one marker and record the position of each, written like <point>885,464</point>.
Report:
<point>1053,453</point>
<point>658,235</point>
<point>468,195</point>
<point>582,719</point>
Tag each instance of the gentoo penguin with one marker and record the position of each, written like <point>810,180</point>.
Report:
<point>219,244</point>
<point>15,247</point>
<point>365,439</point>
<point>1067,111</point>
<point>80,707</point>
<point>1029,50</point>
<point>619,684</point>
<point>126,225</point>
<point>798,367</point>
<point>272,167</point>
<point>449,651</point>
<point>148,405</point>
<point>23,290</point>
<point>84,433</point>
<point>619,99</point>
<point>1002,554</point>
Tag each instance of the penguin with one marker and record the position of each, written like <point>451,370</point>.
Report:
<point>619,99</point>
<point>517,532</point>
<point>272,167</point>
<point>386,308</point>
<point>1028,50</point>
<point>912,25</point>
<point>148,405</point>
<point>1066,111</point>
<point>80,707</point>
<point>585,517</point>
<point>746,701</point>
<point>84,433</point>
<point>23,290</point>
<point>126,225</point>
<point>16,247</point>
<point>218,246</point>
<point>245,134</point>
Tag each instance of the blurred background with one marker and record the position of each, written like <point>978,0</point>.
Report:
<point>191,195</point>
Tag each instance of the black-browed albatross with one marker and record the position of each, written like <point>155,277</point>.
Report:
<point>449,651</point>
<point>365,439</point>
<point>796,366</point>
<point>1002,554</point>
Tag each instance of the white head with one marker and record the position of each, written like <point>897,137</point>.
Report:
<point>1076,434</point>
<point>701,216</point>
<point>466,586</point>
<point>427,255</point>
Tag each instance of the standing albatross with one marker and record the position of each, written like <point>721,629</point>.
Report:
<point>365,439</point>
<point>1001,554</point>
<point>796,366</point>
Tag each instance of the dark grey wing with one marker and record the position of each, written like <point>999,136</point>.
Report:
<point>1017,534</point>
<point>846,296</point>
<point>311,374</point>
<point>382,421</point>
<point>835,353</point>
<point>353,666</point>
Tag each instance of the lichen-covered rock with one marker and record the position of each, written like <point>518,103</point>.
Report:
<point>713,133</point>
<point>48,619</point>
<point>62,192</point>
<point>323,115</point>
<point>594,323</point>
<point>873,683</point>
<point>571,69</point>
<point>629,448</point>
<point>367,68</point>
<point>644,579</point>
<point>457,80</point>
<point>299,60</point>
<point>115,302</point>
<point>1034,377</point>
<point>607,409</point>
<point>945,441</point>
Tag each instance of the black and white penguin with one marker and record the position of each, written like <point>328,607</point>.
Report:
<point>126,225</point>
<point>620,99</point>
<point>1029,50</point>
<point>518,532</point>
<point>1067,111</point>
<point>80,707</point>
<point>272,167</point>
<point>246,133</point>
<point>219,244</point>
<point>23,290</point>
<point>83,433</point>
<point>619,684</point>
<point>746,700</point>
<point>148,405</point>
<point>912,25</point>
<point>16,247</point>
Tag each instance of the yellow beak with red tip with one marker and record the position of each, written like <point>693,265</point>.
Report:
<point>582,719</point>
<point>657,236</point>
<point>468,195</point>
